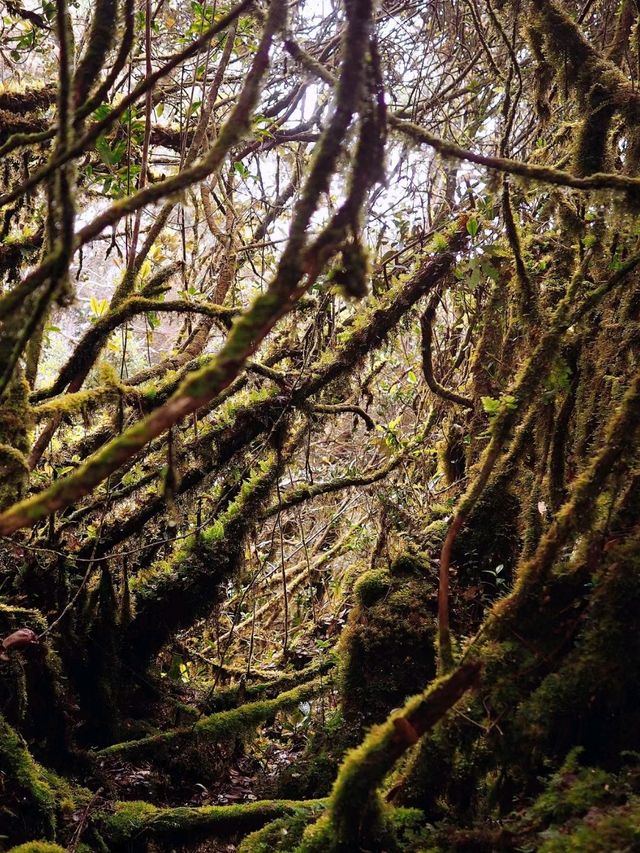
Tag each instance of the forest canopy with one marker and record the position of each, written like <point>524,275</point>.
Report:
<point>319,414</point>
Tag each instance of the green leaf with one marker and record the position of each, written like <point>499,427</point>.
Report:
<point>241,169</point>
<point>98,306</point>
<point>472,226</point>
<point>490,405</point>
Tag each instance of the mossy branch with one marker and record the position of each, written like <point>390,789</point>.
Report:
<point>576,513</point>
<point>101,36</point>
<point>309,491</point>
<point>354,811</point>
<point>140,821</point>
<point>84,142</point>
<point>88,347</point>
<point>528,171</point>
<point>226,698</point>
<point>521,394</point>
<point>203,385</point>
<point>224,725</point>
<point>426,325</point>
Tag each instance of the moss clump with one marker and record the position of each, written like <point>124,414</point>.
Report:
<point>600,832</point>
<point>387,650</point>
<point>572,791</point>
<point>37,847</point>
<point>371,587</point>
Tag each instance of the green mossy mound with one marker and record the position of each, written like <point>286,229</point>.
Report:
<point>33,800</point>
<point>371,587</point>
<point>387,648</point>
<point>22,781</point>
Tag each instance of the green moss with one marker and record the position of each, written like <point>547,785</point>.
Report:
<point>372,586</point>
<point>280,835</point>
<point>223,699</point>
<point>572,791</point>
<point>12,618</point>
<point>37,847</point>
<point>616,829</point>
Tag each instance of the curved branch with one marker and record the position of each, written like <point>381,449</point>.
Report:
<point>426,324</point>
<point>89,345</point>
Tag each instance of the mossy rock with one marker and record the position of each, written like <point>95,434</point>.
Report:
<point>387,649</point>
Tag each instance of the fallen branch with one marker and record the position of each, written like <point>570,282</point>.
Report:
<point>223,725</point>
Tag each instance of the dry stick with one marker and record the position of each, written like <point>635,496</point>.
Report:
<point>133,247</point>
